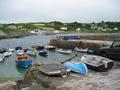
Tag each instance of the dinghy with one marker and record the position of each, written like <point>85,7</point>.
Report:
<point>77,67</point>
<point>54,69</point>
<point>11,50</point>
<point>97,63</point>
<point>20,52</point>
<point>31,53</point>
<point>50,47</point>
<point>23,61</point>
<point>7,54</point>
<point>18,48</point>
<point>43,52</point>
<point>64,51</point>
<point>81,49</point>
<point>2,50</point>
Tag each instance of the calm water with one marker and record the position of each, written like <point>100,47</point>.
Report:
<point>9,70</point>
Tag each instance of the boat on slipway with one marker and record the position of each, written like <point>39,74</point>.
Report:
<point>97,63</point>
<point>78,67</point>
<point>53,69</point>
<point>64,51</point>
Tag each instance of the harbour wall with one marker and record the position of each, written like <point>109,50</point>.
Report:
<point>91,41</point>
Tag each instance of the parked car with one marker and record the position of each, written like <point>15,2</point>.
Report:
<point>111,52</point>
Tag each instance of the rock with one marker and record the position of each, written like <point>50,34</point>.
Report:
<point>9,85</point>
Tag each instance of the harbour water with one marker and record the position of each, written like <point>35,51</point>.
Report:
<point>9,70</point>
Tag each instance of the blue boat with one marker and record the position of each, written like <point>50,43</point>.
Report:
<point>24,64</point>
<point>43,52</point>
<point>77,67</point>
<point>2,50</point>
<point>18,48</point>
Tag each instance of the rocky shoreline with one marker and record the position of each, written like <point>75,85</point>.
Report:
<point>35,80</point>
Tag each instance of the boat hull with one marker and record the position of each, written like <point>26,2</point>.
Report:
<point>97,63</point>
<point>100,68</point>
<point>43,53</point>
<point>24,64</point>
<point>64,51</point>
<point>77,67</point>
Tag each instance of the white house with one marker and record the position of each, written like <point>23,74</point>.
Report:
<point>64,28</point>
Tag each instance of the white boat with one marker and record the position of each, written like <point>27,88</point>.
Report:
<point>20,52</point>
<point>49,47</point>
<point>11,50</point>
<point>6,54</point>
<point>31,53</point>
<point>81,49</point>
<point>2,57</point>
<point>97,63</point>
<point>64,51</point>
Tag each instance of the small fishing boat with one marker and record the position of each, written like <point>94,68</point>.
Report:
<point>6,54</point>
<point>81,49</point>
<point>20,52</point>
<point>97,63</point>
<point>2,58</point>
<point>43,52</point>
<point>24,63</point>
<point>50,47</point>
<point>31,53</point>
<point>2,50</point>
<point>11,50</point>
<point>77,67</point>
<point>18,48</point>
<point>38,47</point>
<point>25,49</point>
<point>22,57</point>
<point>64,51</point>
<point>54,69</point>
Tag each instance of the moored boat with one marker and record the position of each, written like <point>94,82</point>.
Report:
<point>38,47</point>
<point>50,47</point>
<point>2,50</point>
<point>97,63</point>
<point>18,48</point>
<point>64,51</point>
<point>31,53</point>
<point>20,52</point>
<point>77,67</point>
<point>43,52</point>
<point>24,63</point>
<point>6,54</point>
<point>81,49</point>
<point>11,50</point>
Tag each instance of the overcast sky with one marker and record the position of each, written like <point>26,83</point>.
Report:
<point>59,10</point>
